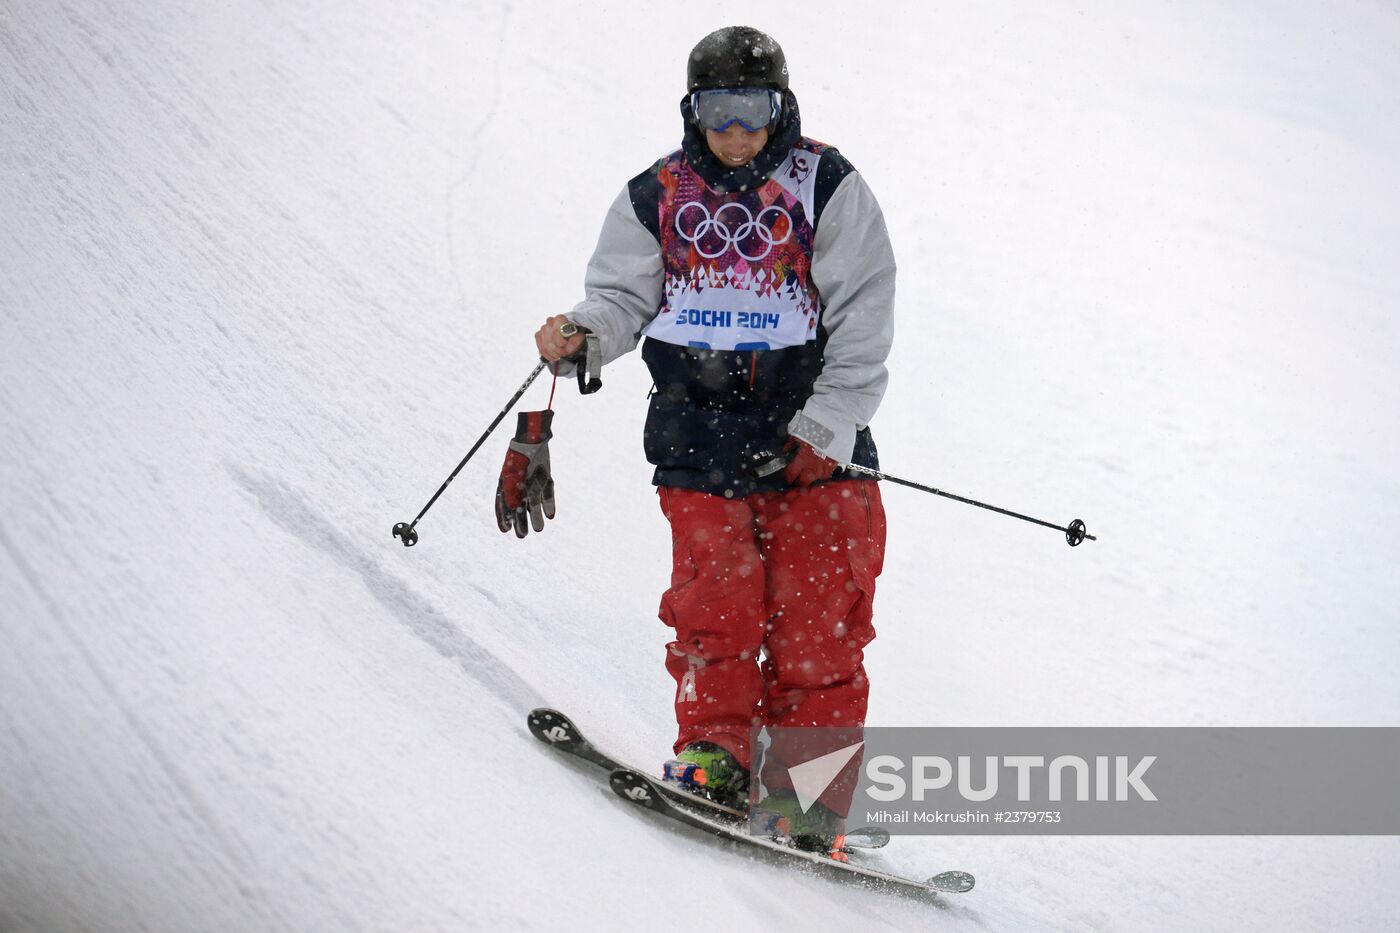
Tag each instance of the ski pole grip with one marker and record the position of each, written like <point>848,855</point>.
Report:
<point>765,463</point>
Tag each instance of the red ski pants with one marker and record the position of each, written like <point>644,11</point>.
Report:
<point>790,573</point>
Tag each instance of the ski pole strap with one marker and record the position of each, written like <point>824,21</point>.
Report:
<point>590,368</point>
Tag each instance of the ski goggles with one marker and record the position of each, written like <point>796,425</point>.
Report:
<point>753,108</point>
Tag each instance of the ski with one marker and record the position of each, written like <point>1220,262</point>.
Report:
<point>646,792</point>
<point>558,731</point>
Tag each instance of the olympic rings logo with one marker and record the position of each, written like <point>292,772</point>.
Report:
<point>751,227</point>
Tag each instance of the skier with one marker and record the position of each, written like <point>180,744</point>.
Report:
<point>754,267</point>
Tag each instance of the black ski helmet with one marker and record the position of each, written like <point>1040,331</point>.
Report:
<point>737,56</point>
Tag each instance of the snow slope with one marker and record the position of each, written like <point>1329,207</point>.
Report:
<point>267,269</point>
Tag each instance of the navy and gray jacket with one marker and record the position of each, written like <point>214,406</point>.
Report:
<point>764,299</point>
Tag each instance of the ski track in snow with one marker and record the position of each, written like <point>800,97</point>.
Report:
<point>228,846</point>
<point>220,846</point>
<point>472,155</point>
<point>292,512</point>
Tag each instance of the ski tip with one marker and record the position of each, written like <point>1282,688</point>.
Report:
<point>551,726</point>
<point>952,882</point>
<point>634,788</point>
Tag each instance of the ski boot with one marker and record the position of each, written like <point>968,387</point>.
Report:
<point>817,829</point>
<point>707,770</point>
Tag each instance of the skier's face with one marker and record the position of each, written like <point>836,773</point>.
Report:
<point>736,146</point>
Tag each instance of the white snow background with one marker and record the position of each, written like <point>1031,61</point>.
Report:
<point>268,269</point>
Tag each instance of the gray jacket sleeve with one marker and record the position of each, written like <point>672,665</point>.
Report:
<point>854,271</point>
<point>622,286</point>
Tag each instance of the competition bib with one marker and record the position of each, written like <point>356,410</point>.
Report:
<point>737,265</point>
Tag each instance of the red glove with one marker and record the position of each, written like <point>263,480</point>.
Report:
<point>805,465</point>
<point>525,492</point>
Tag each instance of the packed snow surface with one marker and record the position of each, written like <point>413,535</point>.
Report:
<point>268,269</point>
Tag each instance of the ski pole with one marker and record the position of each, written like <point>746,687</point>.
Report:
<point>405,530</point>
<point>766,463</point>
<point>1075,531</point>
